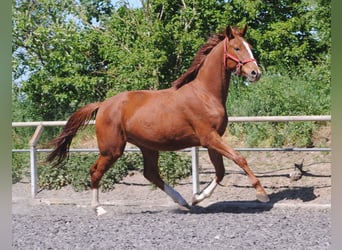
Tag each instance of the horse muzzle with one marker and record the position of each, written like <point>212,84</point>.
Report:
<point>254,75</point>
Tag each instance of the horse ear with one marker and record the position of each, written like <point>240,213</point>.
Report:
<point>229,33</point>
<point>244,30</point>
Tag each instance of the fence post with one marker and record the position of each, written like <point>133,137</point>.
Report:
<point>33,159</point>
<point>33,168</point>
<point>195,174</point>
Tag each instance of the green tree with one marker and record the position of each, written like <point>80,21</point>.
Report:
<point>58,54</point>
<point>67,53</point>
<point>75,52</point>
<point>285,33</point>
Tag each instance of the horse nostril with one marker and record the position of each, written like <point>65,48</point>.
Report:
<point>255,75</point>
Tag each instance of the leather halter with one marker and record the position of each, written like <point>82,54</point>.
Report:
<point>239,63</point>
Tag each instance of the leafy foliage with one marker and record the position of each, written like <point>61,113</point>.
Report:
<point>20,166</point>
<point>69,53</point>
<point>280,94</point>
<point>173,166</point>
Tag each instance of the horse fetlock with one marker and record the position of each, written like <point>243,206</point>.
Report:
<point>197,198</point>
<point>207,192</point>
<point>255,182</point>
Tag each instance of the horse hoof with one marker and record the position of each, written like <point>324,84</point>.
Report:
<point>184,205</point>
<point>187,206</point>
<point>100,211</point>
<point>262,197</point>
<point>194,203</point>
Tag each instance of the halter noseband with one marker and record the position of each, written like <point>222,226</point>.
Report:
<point>239,64</point>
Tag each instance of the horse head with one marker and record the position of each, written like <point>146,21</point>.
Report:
<point>238,55</point>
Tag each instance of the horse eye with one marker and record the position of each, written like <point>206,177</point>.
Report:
<point>237,49</point>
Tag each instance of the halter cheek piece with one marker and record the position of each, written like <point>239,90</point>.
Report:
<point>239,63</point>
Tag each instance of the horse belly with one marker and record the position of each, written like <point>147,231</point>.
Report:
<point>161,134</point>
<point>164,145</point>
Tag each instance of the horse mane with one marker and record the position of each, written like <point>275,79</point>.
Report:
<point>200,56</point>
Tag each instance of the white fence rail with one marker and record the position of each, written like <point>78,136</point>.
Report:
<point>195,159</point>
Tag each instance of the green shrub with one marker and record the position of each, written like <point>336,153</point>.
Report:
<point>53,177</point>
<point>20,166</point>
<point>173,166</point>
<point>128,161</point>
<point>20,160</point>
<point>78,170</point>
<point>304,92</point>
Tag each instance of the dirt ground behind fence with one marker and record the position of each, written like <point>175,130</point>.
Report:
<point>272,168</point>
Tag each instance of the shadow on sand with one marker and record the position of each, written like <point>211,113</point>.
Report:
<point>301,193</point>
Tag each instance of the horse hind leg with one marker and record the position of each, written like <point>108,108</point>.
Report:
<point>98,169</point>
<point>151,173</point>
<point>217,161</point>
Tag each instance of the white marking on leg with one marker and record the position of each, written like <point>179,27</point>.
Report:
<point>100,211</point>
<point>207,192</point>
<point>95,204</point>
<point>175,196</point>
<point>95,197</point>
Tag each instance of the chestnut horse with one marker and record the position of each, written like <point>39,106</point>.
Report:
<point>190,113</point>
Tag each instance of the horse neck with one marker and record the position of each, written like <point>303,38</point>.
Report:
<point>213,76</point>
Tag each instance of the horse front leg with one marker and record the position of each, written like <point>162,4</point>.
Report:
<point>215,142</point>
<point>217,160</point>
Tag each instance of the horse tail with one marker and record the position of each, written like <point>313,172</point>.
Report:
<point>62,142</point>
